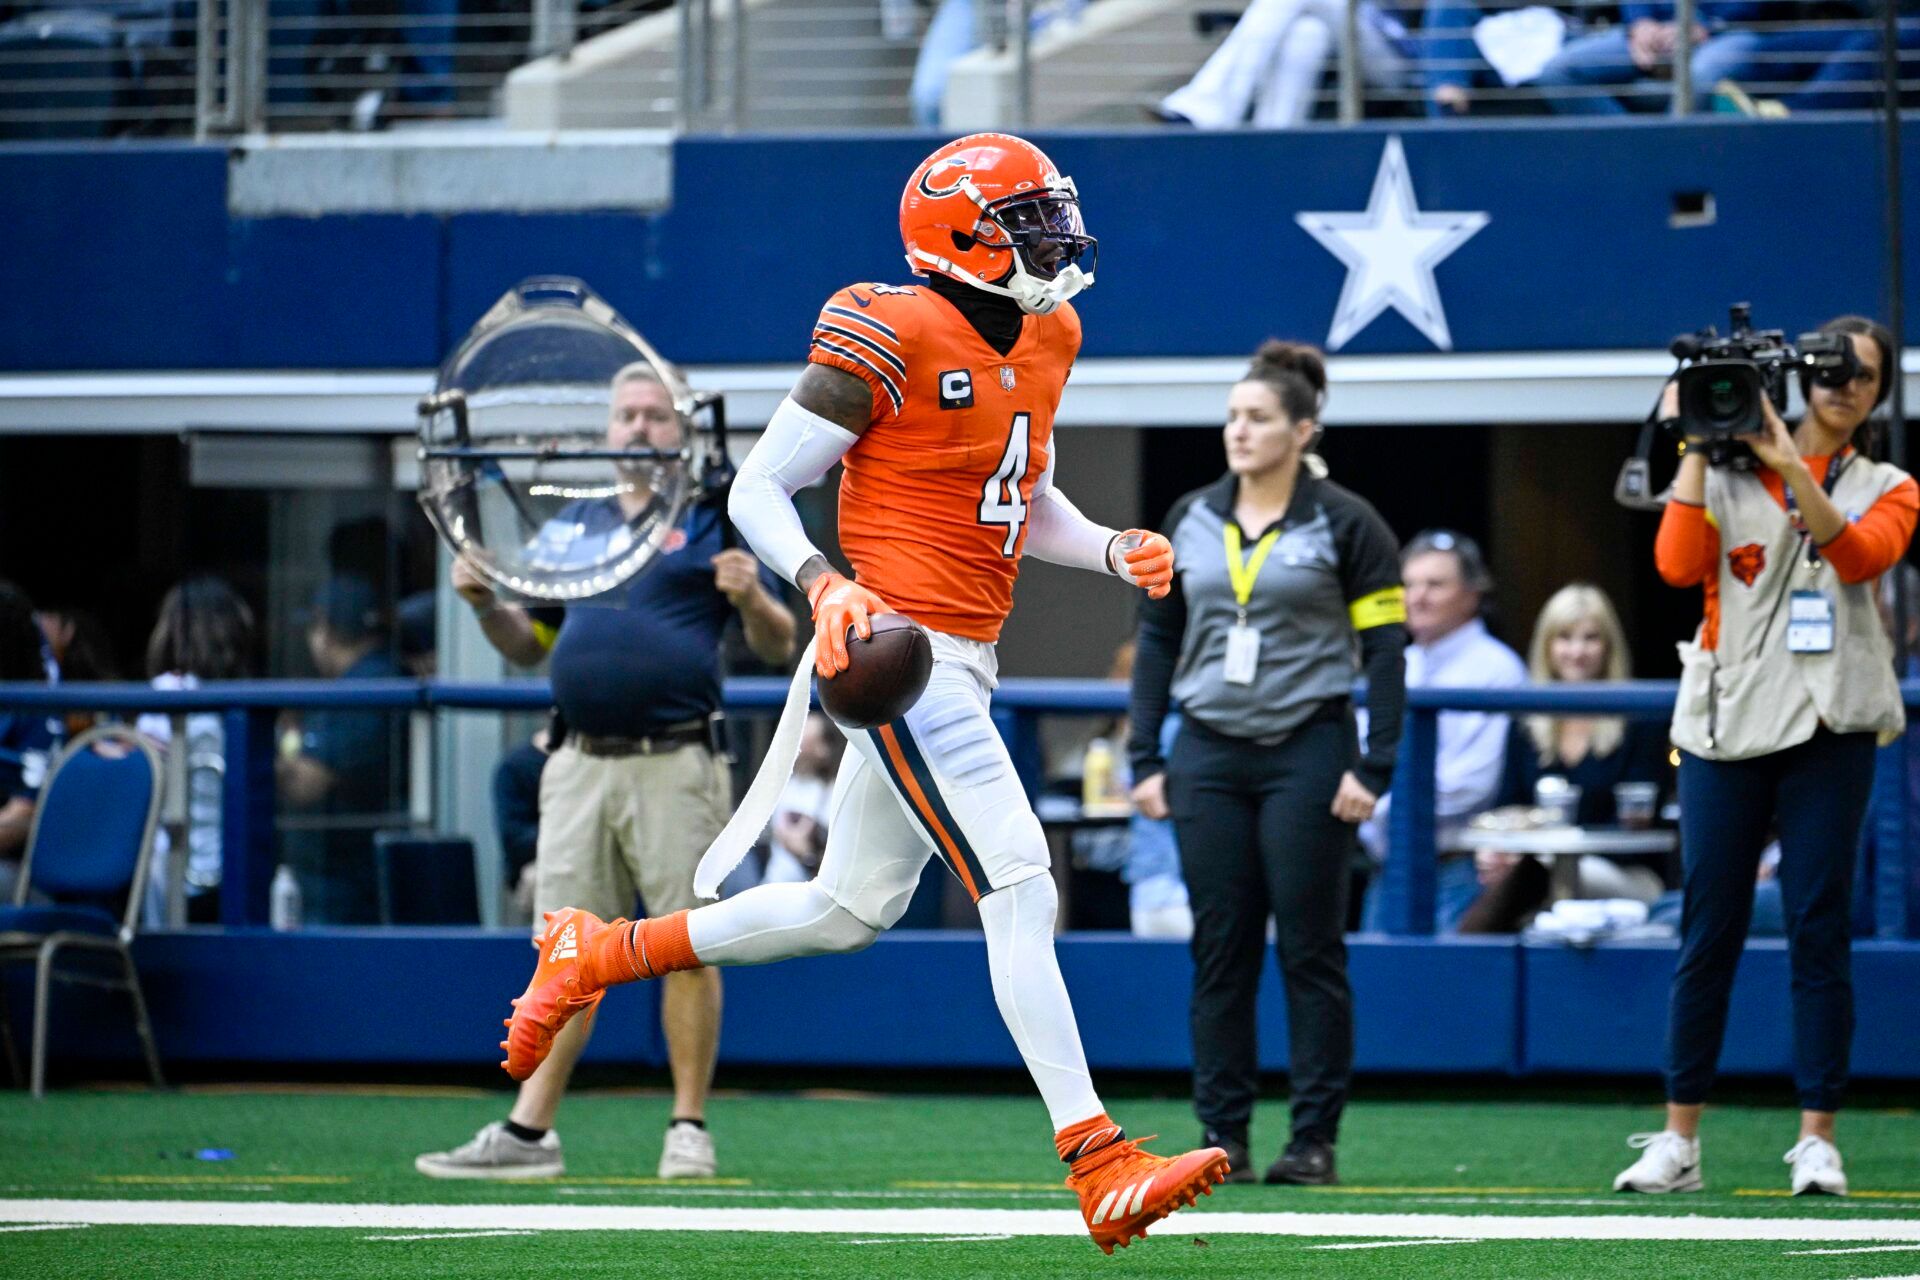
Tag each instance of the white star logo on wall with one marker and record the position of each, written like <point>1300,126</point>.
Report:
<point>1391,251</point>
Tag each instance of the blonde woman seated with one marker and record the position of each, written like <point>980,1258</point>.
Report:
<point>1577,637</point>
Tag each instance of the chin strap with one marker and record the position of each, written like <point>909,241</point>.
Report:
<point>1034,296</point>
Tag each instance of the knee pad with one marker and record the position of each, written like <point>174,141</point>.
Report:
<point>1031,899</point>
<point>1013,845</point>
<point>839,930</point>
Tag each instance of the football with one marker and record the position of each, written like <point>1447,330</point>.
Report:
<point>886,674</point>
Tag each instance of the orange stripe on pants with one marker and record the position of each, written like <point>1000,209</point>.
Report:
<point>918,798</point>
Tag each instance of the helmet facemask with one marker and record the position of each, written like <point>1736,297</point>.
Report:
<point>1044,236</point>
<point>1049,239</point>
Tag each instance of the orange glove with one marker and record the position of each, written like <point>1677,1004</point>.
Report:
<point>1146,559</point>
<point>839,603</point>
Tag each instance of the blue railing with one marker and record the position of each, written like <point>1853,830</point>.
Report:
<point>1407,879</point>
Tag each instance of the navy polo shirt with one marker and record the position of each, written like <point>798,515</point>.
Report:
<point>647,654</point>
<point>357,746</point>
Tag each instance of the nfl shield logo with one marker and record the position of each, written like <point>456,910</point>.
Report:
<point>1006,377</point>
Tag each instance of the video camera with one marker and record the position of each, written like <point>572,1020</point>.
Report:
<point>1722,380</point>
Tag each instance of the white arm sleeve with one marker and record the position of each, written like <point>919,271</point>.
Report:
<point>797,448</point>
<point>1058,533</point>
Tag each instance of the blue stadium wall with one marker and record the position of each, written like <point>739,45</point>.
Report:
<point>1473,1007</point>
<point>128,258</point>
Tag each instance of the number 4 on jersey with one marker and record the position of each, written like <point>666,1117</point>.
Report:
<point>1001,501</point>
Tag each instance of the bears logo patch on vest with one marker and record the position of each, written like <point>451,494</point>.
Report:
<point>1747,562</point>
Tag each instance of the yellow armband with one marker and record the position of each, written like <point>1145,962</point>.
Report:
<point>1387,605</point>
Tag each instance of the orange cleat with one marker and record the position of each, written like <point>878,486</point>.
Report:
<point>1123,1189</point>
<point>552,998</point>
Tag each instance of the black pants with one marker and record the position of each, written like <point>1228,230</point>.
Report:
<point>1258,839</point>
<point>1817,792</point>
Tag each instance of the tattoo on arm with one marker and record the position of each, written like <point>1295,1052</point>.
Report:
<point>813,568</point>
<point>835,395</point>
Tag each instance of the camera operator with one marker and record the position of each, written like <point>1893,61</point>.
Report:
<point>1784,692</point>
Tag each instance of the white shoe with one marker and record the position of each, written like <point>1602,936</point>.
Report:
<point>688,1152</point>
<point>1816,1168</point>
<point>495,1153</point>
<point>1669,1163</point>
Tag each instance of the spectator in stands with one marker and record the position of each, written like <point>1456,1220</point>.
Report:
<point>1818,63</point>
<point>204,632</point>
<point>79,651</point>
<point>516,816</point>
<point>1267,71</point>
<point>1283,579</point>
<point>1467,46</point>
<point>27,737</point>
<point>1784,693</point>
<point>337,769</point>
<point>1448,583</point>
<point>798,834</point>
<point>1157,903</point>
<point>419,647</point>
<point>1636,56</point>
<point>636,790</point>
<point>957,30</point>
<point>1577,638</point>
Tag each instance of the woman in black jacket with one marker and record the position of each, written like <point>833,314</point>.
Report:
<point>1283,576</point>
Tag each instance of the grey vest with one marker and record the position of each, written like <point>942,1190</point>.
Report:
<point>1752,696</point>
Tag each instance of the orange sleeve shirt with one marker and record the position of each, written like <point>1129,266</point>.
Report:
<point>935,493</point>
<point>1687,550</point>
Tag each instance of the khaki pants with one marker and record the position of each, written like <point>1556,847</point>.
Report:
<point>609,827</point>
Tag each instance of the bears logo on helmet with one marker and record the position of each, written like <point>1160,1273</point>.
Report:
<point>1014,229</point>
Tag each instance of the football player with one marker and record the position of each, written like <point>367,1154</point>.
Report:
<point>939,398</point>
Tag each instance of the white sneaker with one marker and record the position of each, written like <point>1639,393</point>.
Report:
<point>688,1152</point>
<point>495,1153</point>
<point>1816,1168</point>
<point>1669,1163</point>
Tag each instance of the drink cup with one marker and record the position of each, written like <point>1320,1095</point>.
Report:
<point>1559,798</point>
<point>1636,803</point>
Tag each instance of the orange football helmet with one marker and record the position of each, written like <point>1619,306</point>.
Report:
<point>992,211</point>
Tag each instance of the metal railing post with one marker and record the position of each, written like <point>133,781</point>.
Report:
<point>1407,880</point>
<point>176,818</point>
<point>1020,39</point>
<point>683,99</point>
<point>247,65</point>
<point>1349,74</point>
<point>737,81</point>
<point>556,27</point>
<point>1896,882</point>
<point>246,816</point>
<point>1683,19</point>
<point>206,66</point>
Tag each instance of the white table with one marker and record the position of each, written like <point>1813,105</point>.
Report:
<point>1563,847</point>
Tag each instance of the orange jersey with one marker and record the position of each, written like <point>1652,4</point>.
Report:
<point>934,500</point>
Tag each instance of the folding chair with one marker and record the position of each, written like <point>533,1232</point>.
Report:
<point>89,851</point>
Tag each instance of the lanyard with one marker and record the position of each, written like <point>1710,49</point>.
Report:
<point>1241,572</point>
<point>1834,468</point>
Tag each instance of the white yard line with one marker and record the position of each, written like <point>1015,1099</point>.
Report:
<point>896,1240</point>
<point>453,1235</point>
<point>925,1221</point>
<point>1877,1248</point>
<point>47,1226</point>
<point>1398,1244</point>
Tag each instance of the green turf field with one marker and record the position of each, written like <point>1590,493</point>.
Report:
<point>321,1183</point>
